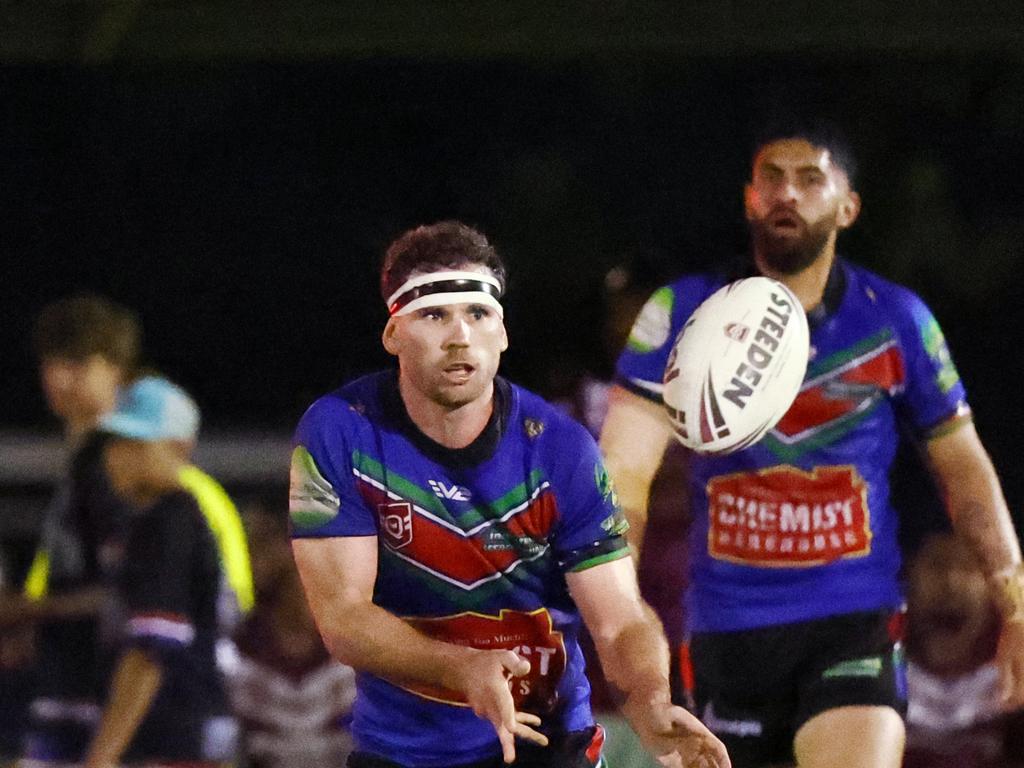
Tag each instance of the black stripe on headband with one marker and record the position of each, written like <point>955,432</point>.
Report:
<point>443,286</point>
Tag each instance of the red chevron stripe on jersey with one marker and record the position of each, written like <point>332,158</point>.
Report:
<point>464,558</point>
<point>850,388</point>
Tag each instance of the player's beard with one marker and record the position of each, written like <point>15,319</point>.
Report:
<point>788,255</point>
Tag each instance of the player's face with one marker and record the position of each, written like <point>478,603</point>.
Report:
<point>796,203</point>
<point>126,463</point>
<point>449,354</point>
<point>80,389</point>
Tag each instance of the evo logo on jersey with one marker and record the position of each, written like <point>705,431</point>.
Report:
<point>531,635</point>
<point>786,517</point>
<point>452,492</point>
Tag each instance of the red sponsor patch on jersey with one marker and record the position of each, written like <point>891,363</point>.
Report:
<point>530,634</point>
<point>786,517</point>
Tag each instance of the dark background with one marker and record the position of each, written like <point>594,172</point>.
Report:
<point>233,172</point>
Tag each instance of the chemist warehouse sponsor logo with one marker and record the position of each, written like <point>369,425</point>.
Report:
<point>531,635</point>
<point>786,517</point>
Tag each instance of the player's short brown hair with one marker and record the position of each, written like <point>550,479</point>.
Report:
<point>435,247</point>
<point>83,325</point>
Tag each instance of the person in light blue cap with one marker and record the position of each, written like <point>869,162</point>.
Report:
<point>153,409</point>
<point>166,702</point>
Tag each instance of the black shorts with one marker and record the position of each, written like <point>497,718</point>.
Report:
<point>755,688</point>
<point>578,749</point>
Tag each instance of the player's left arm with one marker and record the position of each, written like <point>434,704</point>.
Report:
<point>978,510</point>
<point>133,688</point>
<point>634,655</point>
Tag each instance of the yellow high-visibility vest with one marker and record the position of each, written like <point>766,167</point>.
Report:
<point>37,581</point>
<point>224,523</point>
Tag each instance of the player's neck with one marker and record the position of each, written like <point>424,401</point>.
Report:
<point>809,283</point>
<point>452,427</point>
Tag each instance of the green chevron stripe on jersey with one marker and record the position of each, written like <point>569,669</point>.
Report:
<point>472,516</point>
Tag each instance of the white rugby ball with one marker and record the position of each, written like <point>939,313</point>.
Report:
<point>736,366</point>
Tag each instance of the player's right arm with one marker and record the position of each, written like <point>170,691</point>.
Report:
<point>935,401</point>
<point>338,574</point>
<point>634,439</point>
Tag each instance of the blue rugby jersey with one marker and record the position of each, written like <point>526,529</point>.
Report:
<point>800,525</point>
<point>473,547</point>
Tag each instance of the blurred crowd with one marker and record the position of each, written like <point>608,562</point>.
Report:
<point>155,606</point>
<point>156,623</point>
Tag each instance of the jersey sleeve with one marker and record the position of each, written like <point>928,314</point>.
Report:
<point>156,579</point>
<point>591,528</point>
<point>323,499</point>
<point>641,365</point>
<point>934,393</point>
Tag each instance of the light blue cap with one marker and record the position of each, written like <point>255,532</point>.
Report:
<point>152,408</point>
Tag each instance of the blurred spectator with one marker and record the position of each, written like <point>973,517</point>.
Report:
<point>292,698</point>
<point>166,702</point>
<point>662,570</point>
<point>86,347</point>
<point>955,718</point>
<point>585,396</point>
<point>14,685</point>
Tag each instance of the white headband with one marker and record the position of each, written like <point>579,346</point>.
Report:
<point>435,289</point>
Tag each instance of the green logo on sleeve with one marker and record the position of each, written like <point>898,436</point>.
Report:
<point>937,349</point>
<point>603,481</point>
<point>312,501</point>
<point>654,323</point>
<point>615,523</point>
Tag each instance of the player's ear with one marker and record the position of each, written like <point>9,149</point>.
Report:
<point>748,200</point>
<point>504,338</point>
<point>389,338</point>
<point>849,209</point>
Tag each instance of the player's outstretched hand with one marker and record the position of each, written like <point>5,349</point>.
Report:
<point>484,680</point>
<point>675,737</point>
<point>1010,658</point>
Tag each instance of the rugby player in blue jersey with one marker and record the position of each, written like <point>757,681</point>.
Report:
<point>793,552</point>
<point>451,529</point>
